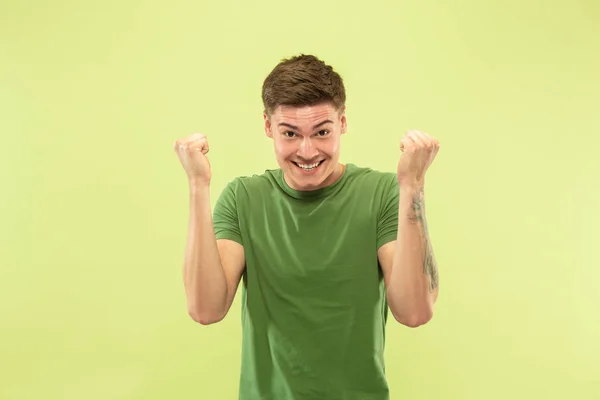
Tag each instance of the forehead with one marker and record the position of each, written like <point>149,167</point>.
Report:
<point>305,114</point>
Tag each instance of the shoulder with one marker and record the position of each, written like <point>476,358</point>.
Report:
<point>254,183</point>
<point>368,172</point>
<point>366,177</point>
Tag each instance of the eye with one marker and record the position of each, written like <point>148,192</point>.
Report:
<point>289,134</point>
<point>323,132</point>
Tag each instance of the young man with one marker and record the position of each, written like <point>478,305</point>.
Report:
<point>323,248</point>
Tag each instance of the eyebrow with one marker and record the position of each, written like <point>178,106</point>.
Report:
<point>314,127</point>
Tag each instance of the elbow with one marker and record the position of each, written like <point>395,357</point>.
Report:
<point>415,319</point>
<point>204,318</point>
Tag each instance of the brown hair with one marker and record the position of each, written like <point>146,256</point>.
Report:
<point>303,80</point>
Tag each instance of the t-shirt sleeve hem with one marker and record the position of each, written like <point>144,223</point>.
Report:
<point>229,236</point>
<point>386,239</point>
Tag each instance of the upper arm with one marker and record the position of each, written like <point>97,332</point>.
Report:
<point>233,261</point>
<point>387,226</point>
<point>385,256</point>
<point>229,239</point>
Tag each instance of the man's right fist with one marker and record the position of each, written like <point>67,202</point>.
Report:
<point>192,154</point>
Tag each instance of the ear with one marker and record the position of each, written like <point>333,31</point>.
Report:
<point>267,126</point>
<point>343,120</point>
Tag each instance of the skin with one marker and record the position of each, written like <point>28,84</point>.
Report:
<point>212,269</point>
<point>305,135</point>
<point>408,263</point>
<point>301,135</point>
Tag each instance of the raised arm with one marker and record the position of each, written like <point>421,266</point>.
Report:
<point>408,263</point>
<point>212,269</point>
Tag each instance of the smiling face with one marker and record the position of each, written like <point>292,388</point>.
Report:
<point>307,144</point>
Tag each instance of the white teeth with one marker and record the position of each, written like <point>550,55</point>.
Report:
<point>309,166</point>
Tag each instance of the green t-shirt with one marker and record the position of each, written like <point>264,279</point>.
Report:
<point>313,299</point>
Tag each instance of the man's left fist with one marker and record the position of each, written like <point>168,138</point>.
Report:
<point>418,151</point>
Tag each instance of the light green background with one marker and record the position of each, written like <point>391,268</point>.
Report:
<point>94,202</point>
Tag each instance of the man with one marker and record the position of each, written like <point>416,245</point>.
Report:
<point>323,248</point>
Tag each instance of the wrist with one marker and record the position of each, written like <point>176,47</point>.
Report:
<point>197,184</point>
<point>411,186</point>
<point>411,195</point>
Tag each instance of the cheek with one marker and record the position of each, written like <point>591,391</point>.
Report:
<point>333,146</point>
<point>283,149</point>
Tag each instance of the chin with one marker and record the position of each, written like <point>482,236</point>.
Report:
<point>310,178</point>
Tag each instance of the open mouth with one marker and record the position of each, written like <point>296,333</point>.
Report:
<point>308,167</point>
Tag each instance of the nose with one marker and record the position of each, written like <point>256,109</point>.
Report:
<point>307,149</point>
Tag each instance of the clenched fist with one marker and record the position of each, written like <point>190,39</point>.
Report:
<point>192,154</point>
<point>419,150</point>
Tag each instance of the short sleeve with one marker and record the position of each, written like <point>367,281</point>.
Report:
<point>225,215</point>
<point>387,223</point>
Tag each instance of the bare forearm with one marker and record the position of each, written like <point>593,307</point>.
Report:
<point>204,278</point>
<point>414,281</point>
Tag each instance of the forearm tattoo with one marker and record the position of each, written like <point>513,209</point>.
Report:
<point>418,216</point>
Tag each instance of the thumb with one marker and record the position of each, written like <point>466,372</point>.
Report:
<point>404,144</point>
<point>203,147</point>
